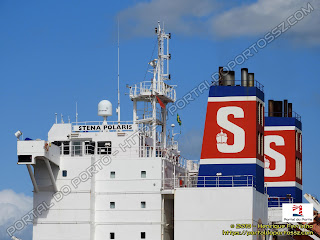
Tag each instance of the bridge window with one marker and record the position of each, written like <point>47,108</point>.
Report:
<point>25,158</point>
<point>76,148</point>
<point>66,148</point>
<point>104,147</point>
<point>89,147</point>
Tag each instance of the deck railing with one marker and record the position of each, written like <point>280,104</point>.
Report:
<point>146,88</point>
<point>278,201</point>
<point>209,181</point>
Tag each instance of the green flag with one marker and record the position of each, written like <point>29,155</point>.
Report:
<point>178,119</point>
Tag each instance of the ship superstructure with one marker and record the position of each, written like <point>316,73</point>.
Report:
<point>110,180</point>
<point>127,180</point>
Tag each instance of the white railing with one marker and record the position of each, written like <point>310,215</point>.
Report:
<point>278,201</point>
<point>209,181</point>
<point>145,88</point>
<point>101,122</point>
<point>147,114</point>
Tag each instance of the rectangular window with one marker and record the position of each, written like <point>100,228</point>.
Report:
<point>112,205</point>
<point>143,204</point>
<point>104,147</point>
<point>143,174</point>
<point>112,235</point>
<point>112,174</point>
<point>66,148</point>
<point>143,235</point>
<point>76,149</point>
<point>89,147</point>
<point>64,173</point>
<point>24,158</point>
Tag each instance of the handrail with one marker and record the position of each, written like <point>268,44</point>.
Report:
<point>278,201</point>
<point>209,181</point>
<point>238,83</point>
<point>100,123</point>
<point>282,114</point>
<point>146,88</point>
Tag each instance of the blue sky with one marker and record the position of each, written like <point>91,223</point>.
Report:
<point>57,53</point>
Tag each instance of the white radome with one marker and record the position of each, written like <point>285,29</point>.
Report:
<point>105,108</point>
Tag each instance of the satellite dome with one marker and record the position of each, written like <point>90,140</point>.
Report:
<point>105,108</point>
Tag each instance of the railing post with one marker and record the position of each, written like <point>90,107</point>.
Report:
<point>218,181</point>
<point>232,181</point>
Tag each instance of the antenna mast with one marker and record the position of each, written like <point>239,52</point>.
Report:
<point>76,112</point>
<point>118,108</point>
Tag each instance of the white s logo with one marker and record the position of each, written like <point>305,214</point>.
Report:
<point>280,160</point>
<point>238,132</point>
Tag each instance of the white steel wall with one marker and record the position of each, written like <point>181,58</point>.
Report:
<point>202,213</point>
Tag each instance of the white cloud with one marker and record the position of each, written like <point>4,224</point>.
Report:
<point>206,17</point>
<point>260,17</point>
<point>181,16</point>
<point>14,206</point>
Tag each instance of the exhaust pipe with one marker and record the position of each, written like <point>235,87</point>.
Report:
<point>229,78</point>
<point>289,109</point>
<point>270,108</point>
<point>277,109</point>
<point>221,76</point>
<point>251,79</point>
<point>285,107</point>
<point>226,78</point>
<point>244,77</point>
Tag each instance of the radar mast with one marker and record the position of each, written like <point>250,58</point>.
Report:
<point>149,93</point>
